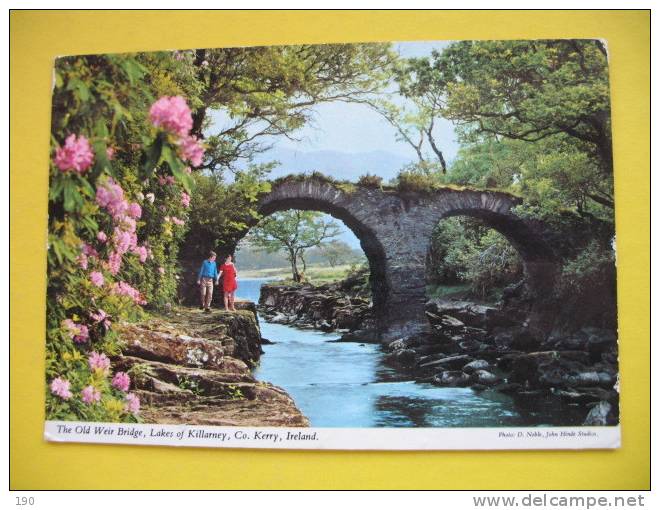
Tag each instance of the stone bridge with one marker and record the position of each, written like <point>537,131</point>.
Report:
<point>395,227</point>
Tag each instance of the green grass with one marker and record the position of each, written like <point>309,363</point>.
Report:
<point>315,273</point>
<point>441,291</point>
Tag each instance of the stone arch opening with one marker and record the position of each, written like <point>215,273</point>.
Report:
<point>369,243</point>
<point>535,255</point>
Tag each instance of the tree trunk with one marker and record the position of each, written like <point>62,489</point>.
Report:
<point>294,266</point>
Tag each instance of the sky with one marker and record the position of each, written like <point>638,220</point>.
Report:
<point>351,128</point>
<point>347,127</point>
<point>354,128</point>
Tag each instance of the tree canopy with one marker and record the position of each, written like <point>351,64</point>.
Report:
<point>294,232</point>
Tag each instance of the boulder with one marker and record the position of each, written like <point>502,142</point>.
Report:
<point>477,364</point>
<point>468,313</point>
<point>470,345</point>
<point>191,377</point>
<point>598,415</point>
<point>451,378</point>
<point>484,377</point>
<point>402,357</point>
<point>449,363</point>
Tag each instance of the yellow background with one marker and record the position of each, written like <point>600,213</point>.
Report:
<point>37,37</point>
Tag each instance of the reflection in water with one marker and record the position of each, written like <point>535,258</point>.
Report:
<point>339,384</point>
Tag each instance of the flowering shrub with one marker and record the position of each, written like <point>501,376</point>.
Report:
<point>119,192</point>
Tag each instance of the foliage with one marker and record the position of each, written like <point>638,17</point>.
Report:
<point>370,181</point>
<point>265,92</point>
<point>293,232</point>
<point>523,90</point>
<point>338,252</point>
<point>331,254</point>
<point>221,212</point>
<point>587,270</point>
<point>533,118</point>
<point>116,213</point>
<point>342,185</point>
<point>416,180</point>
<point>463,250</point>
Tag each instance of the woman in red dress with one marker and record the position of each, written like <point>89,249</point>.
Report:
<point>229,286</point>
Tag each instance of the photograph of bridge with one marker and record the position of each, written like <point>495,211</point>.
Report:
<point>405,235</point>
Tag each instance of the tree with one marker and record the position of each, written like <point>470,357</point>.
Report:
<point>220,212</point>
<point>522,90</point>
<point>336,252</point>
<point>270,91</point>
<point>294,232</point>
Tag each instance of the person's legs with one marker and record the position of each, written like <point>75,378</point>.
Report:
<point>226,300</point>
<point>202,294</point>
<point>209,293</point>
<point>231,300</point>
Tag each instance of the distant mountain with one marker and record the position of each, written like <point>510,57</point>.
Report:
<point>340,165</point>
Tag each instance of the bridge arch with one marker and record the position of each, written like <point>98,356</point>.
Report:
<point>369,242</point>
<point>395,228</point>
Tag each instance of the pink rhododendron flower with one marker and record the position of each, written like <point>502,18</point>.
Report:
<point>134,210</point>
<point>127,223</point>
<point>185,199</point>
<point>171,114</point>
<point>161,270</point>
<point>89,250</point>
<point>82,260</point>
<point>124,289</point>
<point>60,387</point>
<point>123,240</point>
<point>98,362</point>
<point>121,381</point>
<point>141,252</point>
<point>110,196</point>
<point>79,333</point>
<point>177,221</point>
<point>166,179</point>
<point>132,403</point>
<point>102,236</point>
<point>90,394</point>
<point>110,153</point>
<point>102,317</point>
<point>83,336</point>
<point>76,154</point>
<point>114,262</point>
<point>96,277</point>
<point>191,150</point>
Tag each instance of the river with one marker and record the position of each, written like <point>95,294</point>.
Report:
<point>340,384</point>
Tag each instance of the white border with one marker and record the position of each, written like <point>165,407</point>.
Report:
<point>207,436</point>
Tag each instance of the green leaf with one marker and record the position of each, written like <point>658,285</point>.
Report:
<point>81,88</point>
<point>178,168</point>
<point>133,69</point>
<point>152,156</point>
<point>100,129</point>
<point>86,187</point>
<point>56,187</point>
<point>71,196</point>
<point>102,163</point>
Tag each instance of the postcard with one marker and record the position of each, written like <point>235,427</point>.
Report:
<point>392,246</point>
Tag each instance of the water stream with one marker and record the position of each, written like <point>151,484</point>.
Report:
<point>339,384</point>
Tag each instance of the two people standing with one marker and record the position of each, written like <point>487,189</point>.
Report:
<point>209,274</point>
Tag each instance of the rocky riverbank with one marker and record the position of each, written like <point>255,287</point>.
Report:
<point>472,345</point>
<point>483,347</point>
<point>191,367</point>
<point>341,306</point>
